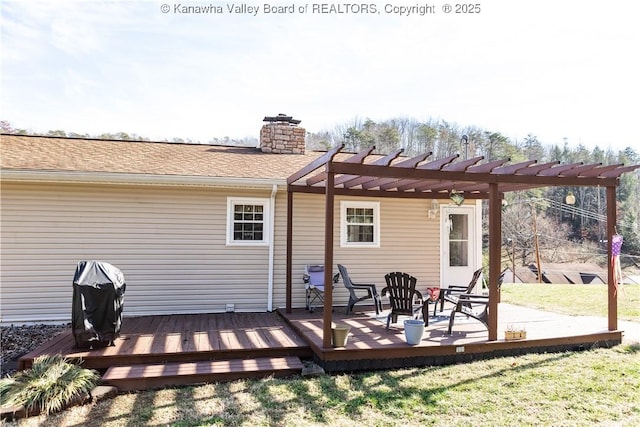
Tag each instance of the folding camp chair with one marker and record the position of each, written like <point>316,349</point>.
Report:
<point>313,279</point>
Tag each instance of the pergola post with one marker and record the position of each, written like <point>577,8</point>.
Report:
<point>289,261</point>
<point>328,258</point>
<point>611,278</point>
<point>495,249</point>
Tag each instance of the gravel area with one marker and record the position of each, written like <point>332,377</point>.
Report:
<point>16,341</point>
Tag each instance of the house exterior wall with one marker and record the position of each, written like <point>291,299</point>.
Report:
<point>409,242</point>
<point>170,243</point>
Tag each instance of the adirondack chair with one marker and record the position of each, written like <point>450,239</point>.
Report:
<point>370,288</point>
<point>467,301</point>
<point>404,298</point>
<point>451,293</point>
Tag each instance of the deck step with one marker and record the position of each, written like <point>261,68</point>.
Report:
<point>143,377</point>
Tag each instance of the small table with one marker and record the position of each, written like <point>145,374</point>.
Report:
<point>432,296</point>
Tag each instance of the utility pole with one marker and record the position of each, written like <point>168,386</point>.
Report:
<point>535,242</point>
<point>513,258</point>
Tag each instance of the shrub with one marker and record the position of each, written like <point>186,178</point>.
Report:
<point>49,386</point>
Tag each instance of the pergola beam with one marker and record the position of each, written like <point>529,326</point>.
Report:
<point>356,158</point>
<point>385,194</point>
<point>375,172</point>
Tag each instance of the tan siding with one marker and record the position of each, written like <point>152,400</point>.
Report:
<point>409,242</point>
<point>169,242</point>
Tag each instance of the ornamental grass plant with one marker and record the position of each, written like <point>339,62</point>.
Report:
<point>50,385</point>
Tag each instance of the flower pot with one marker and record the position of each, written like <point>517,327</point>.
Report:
<point>413,331</point>
<point>339,335</point>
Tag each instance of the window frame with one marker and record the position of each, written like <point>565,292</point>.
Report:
<point>346,204</point>
<point>232,202</point>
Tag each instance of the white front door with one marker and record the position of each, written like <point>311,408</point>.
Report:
<point>458,237</point>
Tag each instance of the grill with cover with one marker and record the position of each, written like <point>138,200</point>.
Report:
<point>98,296</point>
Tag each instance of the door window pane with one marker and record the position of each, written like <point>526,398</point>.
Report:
<point>458,240</point>
<point>459,229</point>
<point>458,254</point>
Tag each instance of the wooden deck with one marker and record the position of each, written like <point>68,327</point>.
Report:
<point>371,346</point>
<point>184,338</point>
<point>176,343</point>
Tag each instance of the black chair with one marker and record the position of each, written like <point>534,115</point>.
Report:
<point>467,304</point>
<point>370,288</point>
<point>404,298</point>
<point>451,293</point>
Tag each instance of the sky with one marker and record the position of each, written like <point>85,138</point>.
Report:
<point>558,70</point>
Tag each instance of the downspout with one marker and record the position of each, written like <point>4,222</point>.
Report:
<point>272,227</point>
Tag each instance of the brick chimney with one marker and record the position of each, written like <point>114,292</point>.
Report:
<point>281,134</point>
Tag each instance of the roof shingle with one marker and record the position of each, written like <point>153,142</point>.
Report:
<point>26,152</point>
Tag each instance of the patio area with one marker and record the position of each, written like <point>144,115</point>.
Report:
<point>371,346</point>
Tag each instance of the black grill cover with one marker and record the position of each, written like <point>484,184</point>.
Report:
<point>98,295</point>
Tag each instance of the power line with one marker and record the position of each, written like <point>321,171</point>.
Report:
<point>574,210</point>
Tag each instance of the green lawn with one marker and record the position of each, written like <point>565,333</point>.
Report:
<point>596,387</point>
<point>574,299</point>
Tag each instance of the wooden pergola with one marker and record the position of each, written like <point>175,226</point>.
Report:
<point>365,174</point>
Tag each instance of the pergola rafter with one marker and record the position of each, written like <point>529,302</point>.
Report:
<point>364,174</point>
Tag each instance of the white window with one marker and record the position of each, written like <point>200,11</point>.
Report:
<point>360,224</point>
<point>247,221</point>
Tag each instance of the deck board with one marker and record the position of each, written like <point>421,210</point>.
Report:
<point>183,337</point>
<point>140,377</point>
